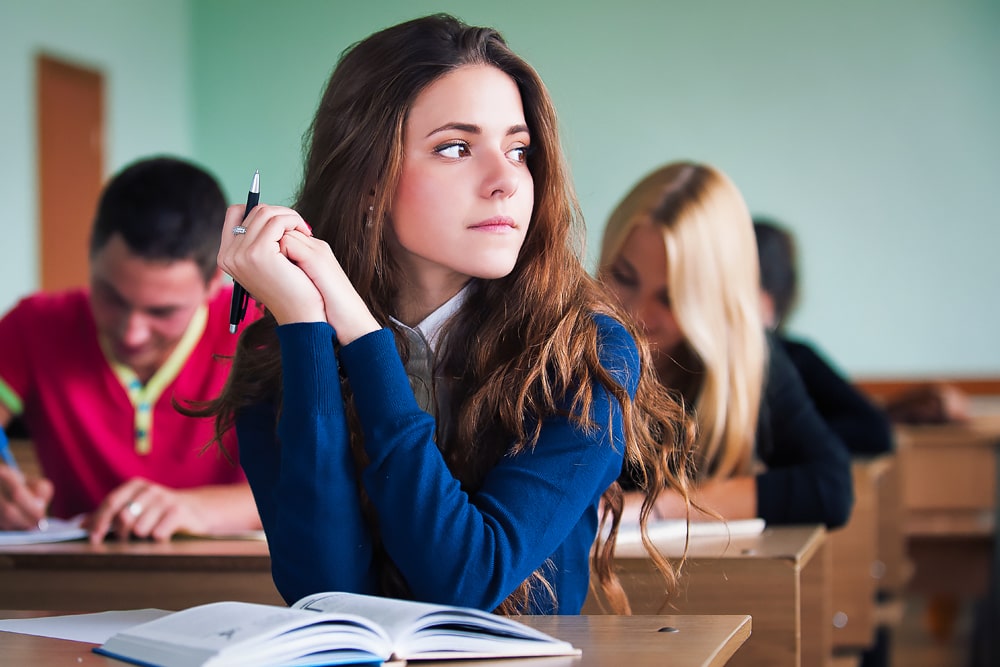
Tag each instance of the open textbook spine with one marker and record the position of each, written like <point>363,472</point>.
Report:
<point>326,629</point>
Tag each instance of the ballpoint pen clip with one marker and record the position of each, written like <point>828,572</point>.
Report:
<point>244,302</point>
<point>240,298</point>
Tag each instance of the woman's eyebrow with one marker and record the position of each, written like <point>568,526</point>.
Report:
<point>461,127</point>
<point>475,129</point>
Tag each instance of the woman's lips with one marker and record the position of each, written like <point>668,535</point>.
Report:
<point>498,223</point>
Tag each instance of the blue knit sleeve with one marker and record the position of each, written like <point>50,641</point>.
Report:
<point>305,483</point>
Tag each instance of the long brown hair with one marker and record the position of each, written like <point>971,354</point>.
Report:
<point>521,344</point>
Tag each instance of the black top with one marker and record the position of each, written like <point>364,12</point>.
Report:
<point>808,475</point>
<point>861,424</point>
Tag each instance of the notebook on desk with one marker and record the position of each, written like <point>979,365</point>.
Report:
<point>677,529</point>
<point>52,530</point>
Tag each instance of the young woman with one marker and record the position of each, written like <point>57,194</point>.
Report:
<point>679,252</point>
<point>439,396</point>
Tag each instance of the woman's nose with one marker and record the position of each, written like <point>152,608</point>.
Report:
<point>502,177</point>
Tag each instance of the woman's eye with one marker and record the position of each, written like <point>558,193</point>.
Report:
<point>620,277</point>
<point>519,154</point>
<point>455,150</point>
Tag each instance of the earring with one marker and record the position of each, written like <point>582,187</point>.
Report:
<point>368,216</point>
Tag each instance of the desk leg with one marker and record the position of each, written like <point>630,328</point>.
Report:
<point>940,616</point>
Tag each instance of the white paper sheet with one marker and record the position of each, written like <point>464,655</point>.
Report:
<point>95,628</point>
<point>676,529</point>
<point>54,530</point>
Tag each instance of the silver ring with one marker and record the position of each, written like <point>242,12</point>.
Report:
<point>239,229</point>
<point>134,508</point>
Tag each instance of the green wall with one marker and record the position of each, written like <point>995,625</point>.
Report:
<point>870,127</point>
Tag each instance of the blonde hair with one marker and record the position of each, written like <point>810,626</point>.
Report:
<point>713,280</point>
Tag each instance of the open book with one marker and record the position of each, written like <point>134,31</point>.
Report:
<point>326,629</point>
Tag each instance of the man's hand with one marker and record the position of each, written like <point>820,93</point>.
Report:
<point>22,501</point>
<point>144,509</point>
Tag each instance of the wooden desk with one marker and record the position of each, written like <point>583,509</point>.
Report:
<point>984,405</point>
<point>949,488</point>
<point>635,641</point>
<point>780,577</point>
<point>78,576</point>
<point>893,567</point>
<point>948,476</point>
<point>855,555</point>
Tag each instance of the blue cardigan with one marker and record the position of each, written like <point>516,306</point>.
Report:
<point>538,509</point>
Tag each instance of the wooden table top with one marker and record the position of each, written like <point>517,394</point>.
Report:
<point>633,641</point>
<point>980,430</point>
<point>794,543</point>
<point>177,554</point>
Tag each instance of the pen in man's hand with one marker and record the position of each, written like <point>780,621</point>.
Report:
<point>5,454</point>
<point>238,306</point>
<point>8,458</point>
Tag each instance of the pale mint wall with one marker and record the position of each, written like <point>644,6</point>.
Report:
<point>143,49</point>
<point>869,126</point>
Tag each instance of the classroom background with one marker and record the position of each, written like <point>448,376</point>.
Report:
<point>869,127</point>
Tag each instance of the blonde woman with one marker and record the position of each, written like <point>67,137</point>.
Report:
<point>679,252</point>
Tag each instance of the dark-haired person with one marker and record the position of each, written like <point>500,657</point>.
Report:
<point>93,373</point>
<point>863,426</point>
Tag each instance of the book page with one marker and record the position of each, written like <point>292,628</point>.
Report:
<point>429,630</point>
<point>243,633</point>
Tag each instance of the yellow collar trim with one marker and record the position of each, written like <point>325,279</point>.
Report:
<point>143,398</point>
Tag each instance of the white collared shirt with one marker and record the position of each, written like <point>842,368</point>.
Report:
<point>424,340</point>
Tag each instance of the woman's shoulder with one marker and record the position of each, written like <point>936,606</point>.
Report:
<point>615,342</point>
<point>780,369</point>
<point>611,329</point>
